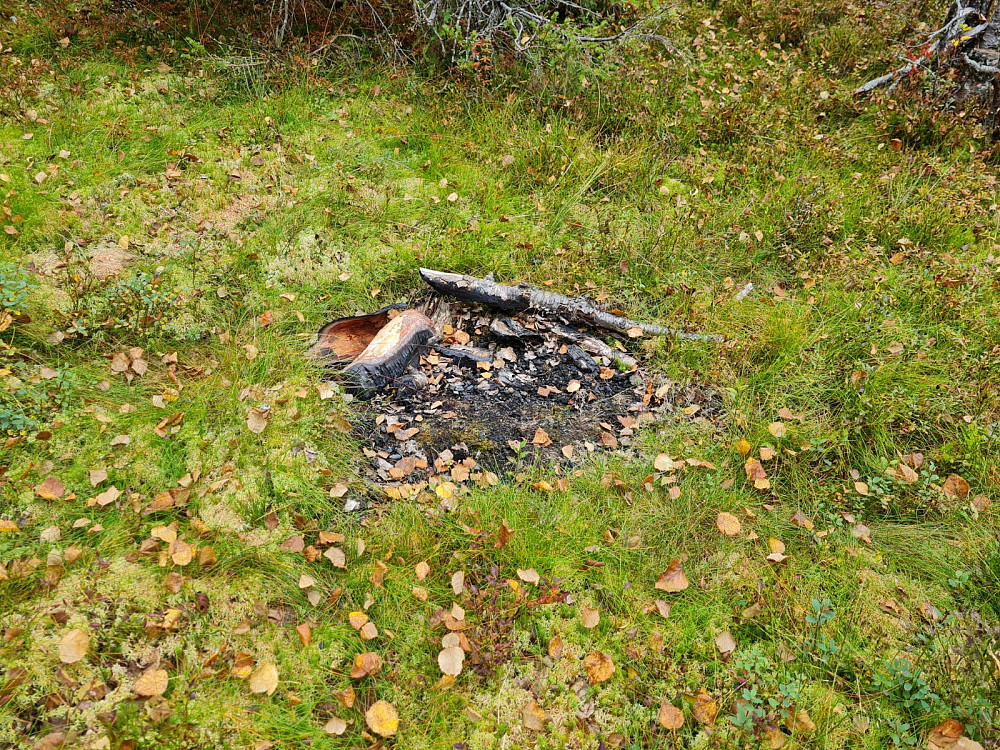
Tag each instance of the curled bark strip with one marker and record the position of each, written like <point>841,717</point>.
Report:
<point>390,352</point>
<point>512,299</point>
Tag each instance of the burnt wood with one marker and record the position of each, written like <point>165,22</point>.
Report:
<point>390,352</point>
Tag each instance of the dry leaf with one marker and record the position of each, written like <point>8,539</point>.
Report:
<point>97,476</point>
<point>555,647</point>
<point>673,579</point>
<point>955,486</point>
<point>590,617</point>
<point>670,717</point>
<point>945,735</point>
<point>151,682</point>
<point>73,646</point>
<point>529,576</point>
<point>664,463</point>
<point>726,644</point>
<point>541,438</point>
<point>705,709</point>
<point>728,524</point>
<point>458,582</point>
<point>533,717</point>
<point>777,429</point>
<point>663,607</point>
<point>50,488</point>
<point>450,660</point>
<point>801,723</point>
<point>756,474</point>
<point>366,665</point>
<point>599,667</point>
<point>335,726</point>
<point>256,421</point>
<point>382,719</point>
<point>336,556</point>
<point>743,447</point>
<point>802,521</point>
<point>264,679</point>
<point>422,570</point>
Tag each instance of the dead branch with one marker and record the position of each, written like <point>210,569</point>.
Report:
<point>523,297</point>
<point>974,51</point>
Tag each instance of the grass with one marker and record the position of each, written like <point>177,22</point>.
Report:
<point>314,192</point>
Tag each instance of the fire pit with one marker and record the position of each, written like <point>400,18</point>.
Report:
<point>467,394</point>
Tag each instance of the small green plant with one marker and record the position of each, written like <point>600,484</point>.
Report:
<point>15,284</point>
<point>900,733</point>
<point>906,686</point>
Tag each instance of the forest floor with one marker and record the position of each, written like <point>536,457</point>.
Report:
<point>810,562</point>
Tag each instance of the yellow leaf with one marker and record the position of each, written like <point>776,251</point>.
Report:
<point>151,682</point>
<point>599,667</point>
<point>264,679</point>
<point>382,719</point>
<point>728,524</point>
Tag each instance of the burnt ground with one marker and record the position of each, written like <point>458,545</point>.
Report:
<point>479,405</point>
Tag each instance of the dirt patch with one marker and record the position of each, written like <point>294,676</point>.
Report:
<point>109,259</point>
<point>225,220</point>
<point>480,405</point>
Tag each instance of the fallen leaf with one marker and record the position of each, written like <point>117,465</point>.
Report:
<point>110,495</point>
<point>670,717</point>
<point>97,476</point>
<point>945,735</point>
<point>422,570</point>
<point>743,447</point>
<point>599,667</point>
<point>366,665</point>
<point>529,576</point>
<point>533,717</point>
<point>337,557</point>
<point>264,679</point>
<point>726,644</point>
<point>73,646</point>
<point>450,660</point>
<point>335,726</point>
<point>664,463</point>
<point>756,474</point>
<point>458,582</point>
<point>673,579</point>
<point>705,709</point>
<point>801,723</point>
<point>955,486</point>
<point>663,607</point>
<point>589,617</point>
<point>802,521</point>
<point>382,718</point>
<point>555,647</point>
<point>541,438</point>
<point>152,682</point>
<point>728,524</point>
<point>50,488</point>
<point>778,429</point>
<point>256,421</point>
<point>861,488</point>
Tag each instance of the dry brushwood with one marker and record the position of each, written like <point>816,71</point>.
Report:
<point>969,44</point>
<point>512,299</point>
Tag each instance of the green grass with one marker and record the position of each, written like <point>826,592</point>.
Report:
<point>315,192</point>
